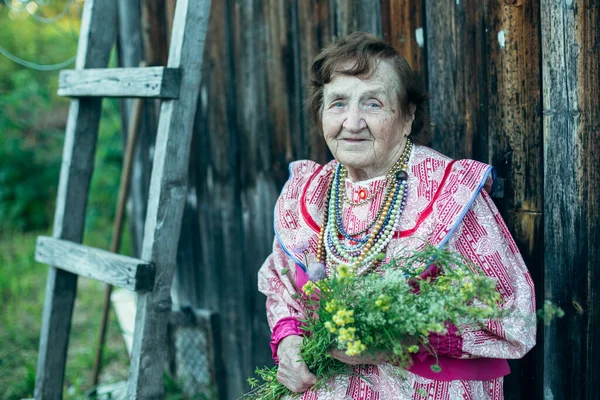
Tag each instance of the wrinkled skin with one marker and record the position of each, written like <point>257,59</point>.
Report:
<point>292,371</point>
<point>363,124</point>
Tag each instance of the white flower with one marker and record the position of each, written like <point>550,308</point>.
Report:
<point>316,271</point>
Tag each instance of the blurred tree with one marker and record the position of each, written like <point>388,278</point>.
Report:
<point>37,38</point>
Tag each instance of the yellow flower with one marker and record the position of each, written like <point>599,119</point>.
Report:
<point>330,327</point>
<point>343,317</point>
<point>309,288</point>
<point>331,306</point>
<point>383,302</point>
<point>346,334</point>
<point>413,349</point>
<point>343,271</point>
<point>355,348</point>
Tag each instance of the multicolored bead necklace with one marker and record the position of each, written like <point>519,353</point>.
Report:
<point>364,253</point>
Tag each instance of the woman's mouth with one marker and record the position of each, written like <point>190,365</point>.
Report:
<point>353,140</point>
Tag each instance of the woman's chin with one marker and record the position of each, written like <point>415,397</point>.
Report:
<point>354,160</point>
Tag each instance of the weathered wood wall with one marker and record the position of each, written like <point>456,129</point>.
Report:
<point>513,83</point>
<point>571,131</point>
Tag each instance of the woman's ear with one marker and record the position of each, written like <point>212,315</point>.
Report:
<point>412,107</point>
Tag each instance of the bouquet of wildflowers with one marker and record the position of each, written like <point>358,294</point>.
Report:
<point>391,310</point>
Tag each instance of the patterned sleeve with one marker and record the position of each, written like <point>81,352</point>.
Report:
<point>483,238</point>
<point>276,280</point>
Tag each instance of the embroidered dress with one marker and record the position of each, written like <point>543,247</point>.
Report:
<point>448,203</point>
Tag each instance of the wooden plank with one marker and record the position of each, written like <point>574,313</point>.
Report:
<point>403,26</point>
<point>255,136</point>
<point>457,76</point>
<point>167,199</point>
<point>315,30</point>
<point>216,182</point>
<point>282,113</point>
<point>357,15</point>
<point>154,31</point>
<point>157,82</point>
<point>129,51</point>
<point>95,41</point>
<point>571,93</point>
<point>515,149</point>
<point>101,265</point>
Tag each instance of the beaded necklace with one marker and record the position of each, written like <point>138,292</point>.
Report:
<point>364,253</point>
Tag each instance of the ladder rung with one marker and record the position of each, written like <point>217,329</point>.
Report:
<point>115,269</point>
<point>159,82</point>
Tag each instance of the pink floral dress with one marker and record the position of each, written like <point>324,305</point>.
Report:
<point>447,205</point>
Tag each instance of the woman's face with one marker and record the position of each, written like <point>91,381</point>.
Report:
<point>362,122</point>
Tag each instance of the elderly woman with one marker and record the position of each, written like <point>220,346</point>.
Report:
<point>369,105</point>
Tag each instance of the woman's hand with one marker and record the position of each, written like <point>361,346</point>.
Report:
<point>378,358</point>
<point>292,371</point>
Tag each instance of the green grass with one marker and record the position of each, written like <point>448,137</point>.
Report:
<point>22,287</point>
<point>22,290</point>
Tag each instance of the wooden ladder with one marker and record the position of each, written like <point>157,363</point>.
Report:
<point>178,86</point>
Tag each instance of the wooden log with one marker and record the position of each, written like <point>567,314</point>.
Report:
<point>316,29</point>
<point>357,15</point>
<point>129,51</point>
<point>283,114</point>
<point>403,26</point>
<point>571,105</point>
<point>157,82</point>
<point>95,41</point>
<point>256,183</point>
<point>155,35</point>
<point>167,199</point>
<point>515,149</point>
<point>457,76</point>
<point>216,184</point>
<point>101,265</point>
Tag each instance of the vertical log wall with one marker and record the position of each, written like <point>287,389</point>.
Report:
<point>513,83</point>
<point>571,99</point>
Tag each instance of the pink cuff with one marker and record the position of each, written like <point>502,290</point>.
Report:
<point>285,327</point>
<point>448,344</point>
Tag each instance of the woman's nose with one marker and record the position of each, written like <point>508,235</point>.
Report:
<point>354,121</point>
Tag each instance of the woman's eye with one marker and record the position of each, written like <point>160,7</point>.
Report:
<point>337,104</point>
<point>373,104</point>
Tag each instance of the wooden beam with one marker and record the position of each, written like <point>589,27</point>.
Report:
<point>512,80</point>
<point>96,38</point>
<point>457,76</point>
<point>154,27</point>
<point>129,51</point>
<point>571,129</point>
<point>357,15</point>
<point>168,188</point>
<point>101,265</point>
<point>404,28</point>
<point>157,82</point>
<point>315,30</point>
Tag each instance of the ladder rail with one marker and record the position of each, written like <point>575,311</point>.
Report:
<point>168,189</point>
<point>95,41</point>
